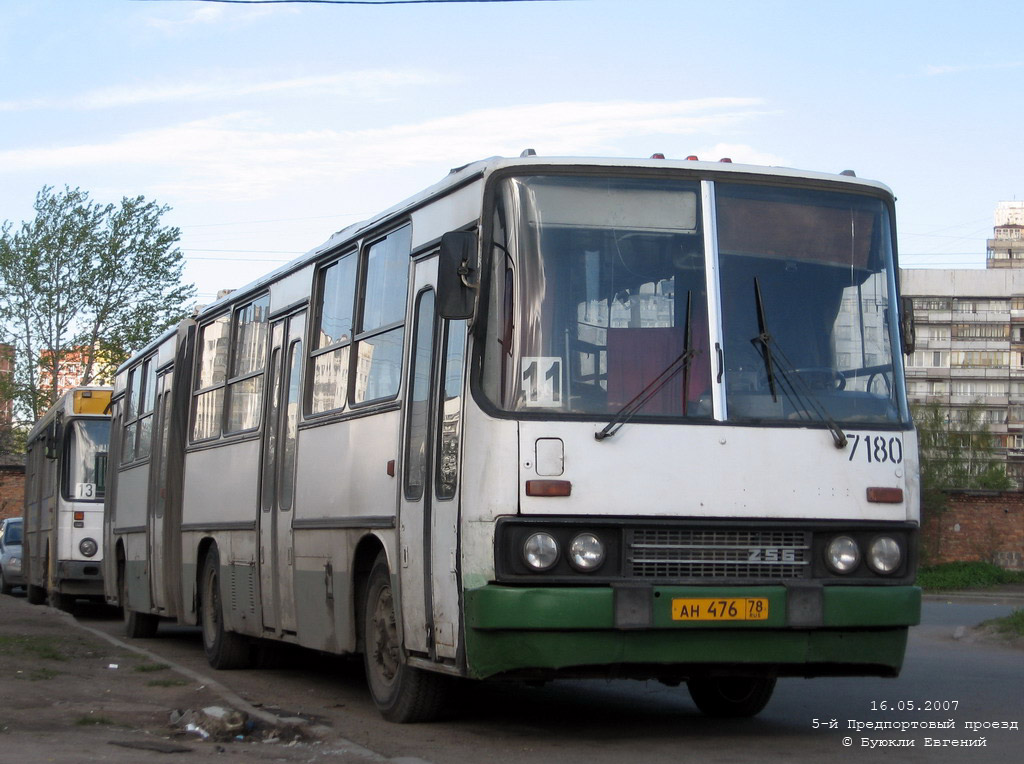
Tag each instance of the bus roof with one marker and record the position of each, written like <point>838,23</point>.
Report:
<point>93,400</point>
<point>482,168</point>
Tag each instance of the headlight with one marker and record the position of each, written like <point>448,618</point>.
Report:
<point>88,547</point>
<point>884,555</point>
<point>540,551</point>
<point>586,552</point>
<point>842,554</point>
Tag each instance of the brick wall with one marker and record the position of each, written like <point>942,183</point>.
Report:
<point>976,526</point>
<point>12,491</point>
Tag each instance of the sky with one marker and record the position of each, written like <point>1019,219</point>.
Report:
<point>267,127</point>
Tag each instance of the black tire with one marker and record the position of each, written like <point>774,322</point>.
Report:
<point>36,595</point>
<point>136,625</point>
<point>5,588</point>
<point>401,693</point>
<point>731,696</point>
<point>65,602</point>
<point>224,649</point>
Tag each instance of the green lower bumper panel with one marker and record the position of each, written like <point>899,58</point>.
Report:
<point>804,631</point>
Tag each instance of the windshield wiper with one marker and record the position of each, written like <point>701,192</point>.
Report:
<point>652,388</point>
<point>779,368</point>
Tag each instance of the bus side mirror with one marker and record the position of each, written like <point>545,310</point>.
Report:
<point>908,335</point>
<point>457,275</point>
<point>53,438</point>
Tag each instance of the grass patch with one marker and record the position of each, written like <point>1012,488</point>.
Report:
<point>1010,626</point>
<point>40,647</point>
<point>166,683</point>
<point>92,719</point>
<point>147,668</point>
<point>37,674</point>
<point>966,575</point>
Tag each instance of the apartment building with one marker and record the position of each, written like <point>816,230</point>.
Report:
<point>970,338</point>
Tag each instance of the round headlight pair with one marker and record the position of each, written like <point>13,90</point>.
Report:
<point>88,547</point>
<point>883,557</point>
<point>541,552</point>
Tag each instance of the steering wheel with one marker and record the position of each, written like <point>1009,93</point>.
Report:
<point>821,378</point>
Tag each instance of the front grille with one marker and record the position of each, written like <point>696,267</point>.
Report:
<point>715,554</point>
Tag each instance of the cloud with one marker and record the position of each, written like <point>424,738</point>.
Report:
<point>369,84</point>
<point>172,24</point>
<point>243,156</point>
<point>932,70</point>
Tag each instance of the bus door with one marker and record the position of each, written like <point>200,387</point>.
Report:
<point>429,518</point>
<point>277,491</point>
<point>158,492</point>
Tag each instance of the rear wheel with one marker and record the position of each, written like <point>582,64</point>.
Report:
<point>36,595</point>
<point>136,625</point>
<point>224,649</point>
<point>61,601</point>
<point>731,696</point>
<point>401,693</point>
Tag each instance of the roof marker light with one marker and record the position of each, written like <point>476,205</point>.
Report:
<point>692,158</point>
<point>528,153</point>
<point>657,155</point>
<point>849,173</point>
<point>726,160</point>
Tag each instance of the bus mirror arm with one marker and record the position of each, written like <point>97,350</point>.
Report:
<point>456,287</point>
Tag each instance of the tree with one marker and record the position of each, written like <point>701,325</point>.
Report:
<point>86,282</point>
<point>956,453</point>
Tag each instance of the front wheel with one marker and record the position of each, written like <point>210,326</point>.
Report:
<point>401,693</point>
<point>731,696</point>
<point>224,649</point>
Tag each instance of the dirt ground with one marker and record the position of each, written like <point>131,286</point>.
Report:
<point>69,696</point>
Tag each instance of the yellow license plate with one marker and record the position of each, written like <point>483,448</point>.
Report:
<point>724,609</point>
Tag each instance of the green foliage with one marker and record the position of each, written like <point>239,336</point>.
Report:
<point>966,575</point>
<point>956,454</point>
<point>1012,625</point>
<point>87,283</point>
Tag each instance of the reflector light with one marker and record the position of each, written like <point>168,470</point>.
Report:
<point>79,515</point>
<point>548,488</point>
<point>885,495</point>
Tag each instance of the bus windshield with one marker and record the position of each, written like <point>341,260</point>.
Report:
<point>85,459</point>
<point>599,300</point>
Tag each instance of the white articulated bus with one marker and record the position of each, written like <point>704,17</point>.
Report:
<point>548,418</point>
<point>65,473</point>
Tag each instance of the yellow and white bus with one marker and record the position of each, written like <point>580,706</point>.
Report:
<point>64,488</point>
<point>547,418</point>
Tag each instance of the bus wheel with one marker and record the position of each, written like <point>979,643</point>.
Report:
<point>731,696</point>
<point>65,602</point>
<point>401,693</point>
<point>136,625</point>
<point>224,649</point>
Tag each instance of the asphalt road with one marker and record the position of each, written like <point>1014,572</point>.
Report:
<point>948,676</point>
